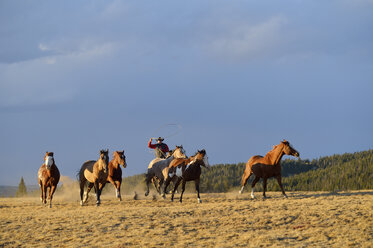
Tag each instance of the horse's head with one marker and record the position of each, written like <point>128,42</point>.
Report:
<point>202,157</point>
<point>179,152</point>
<point>120,158</point>
<point>48,160</point>
<point>289,150</point>
<point>104,156</point>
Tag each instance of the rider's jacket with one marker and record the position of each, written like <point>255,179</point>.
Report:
<point>160,149</point>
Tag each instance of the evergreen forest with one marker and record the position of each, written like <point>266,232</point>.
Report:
<point>349,171</point>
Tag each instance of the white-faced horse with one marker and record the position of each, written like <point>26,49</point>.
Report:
<point>48,177</point>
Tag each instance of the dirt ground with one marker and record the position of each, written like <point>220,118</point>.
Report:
<point>317,219</point>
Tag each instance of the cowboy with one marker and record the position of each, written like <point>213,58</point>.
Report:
<point>160,148</point>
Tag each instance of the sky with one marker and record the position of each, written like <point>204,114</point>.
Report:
<point>231,77</point>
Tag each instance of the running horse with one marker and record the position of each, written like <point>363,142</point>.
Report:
<point>48,177</point>
<point>186,169</point>
<point>156,172</point>
<point>115,172</point>
<point>267,166</point>
<point>95,173</point>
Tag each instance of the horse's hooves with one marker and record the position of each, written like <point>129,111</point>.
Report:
<point>285,196</point>
<point>146,193</point>
<point>199,200</point>
<point>164,196</point>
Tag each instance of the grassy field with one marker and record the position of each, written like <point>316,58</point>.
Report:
<point>317,219</point>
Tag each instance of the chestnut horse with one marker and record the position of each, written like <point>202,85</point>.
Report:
<point>96,174</point>
<point>186,169</point>
<point>115,172</point>
<point>48,177</point>
<point>267,166</point>
<point>155,172</point>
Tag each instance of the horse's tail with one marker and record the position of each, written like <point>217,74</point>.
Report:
<point>80,175</point>
<point>247,173</point>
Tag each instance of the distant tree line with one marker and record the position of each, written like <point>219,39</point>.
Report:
<point>349,171</point>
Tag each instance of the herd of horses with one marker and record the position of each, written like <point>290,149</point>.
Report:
<point>176,168</point>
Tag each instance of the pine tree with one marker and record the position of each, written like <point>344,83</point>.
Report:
<point>22,190</point>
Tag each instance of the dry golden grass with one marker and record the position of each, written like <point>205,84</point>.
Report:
<point>316,219</point>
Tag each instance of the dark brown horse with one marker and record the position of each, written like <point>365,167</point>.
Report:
<point>115,172</point>
<point>267,166</point>
<point>186,169</point>
<point>94,173</point>
<point>48,177</point>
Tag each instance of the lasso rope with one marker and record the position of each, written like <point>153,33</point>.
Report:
<point>179,127</point>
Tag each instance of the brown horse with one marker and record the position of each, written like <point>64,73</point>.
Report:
<point>95,173</point>
<point>48,177</point>
<point>267,166</point>
<point>115,172</point>
<point>186,169</point>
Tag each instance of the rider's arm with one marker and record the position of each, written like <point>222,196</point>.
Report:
<point>150,145</point>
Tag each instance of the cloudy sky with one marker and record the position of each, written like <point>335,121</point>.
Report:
<point>236,77</point>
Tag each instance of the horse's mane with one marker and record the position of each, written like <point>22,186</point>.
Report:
<point>203,151</point>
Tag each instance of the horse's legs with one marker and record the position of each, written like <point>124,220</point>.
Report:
<point>82,183</point>
<point>41,190</point>
<point>117,188</point>
<point>160,184</point>
<point>280,183</point>
<point>118,183</point>
<point>182,190</point>
<point>45,194</point>
<point>156,184</point>
<point>175,188</point>
<point>86,194</point>
<point>51,192</point>
<point>256,179</point>
<point>264,186</point>
<point>148,179</point>
<point>166,183</point>
<point>174,180</point>
<point>98,193</point>
<point>197,189</point>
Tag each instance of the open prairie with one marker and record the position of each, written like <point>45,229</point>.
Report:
<point>318,219</point>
